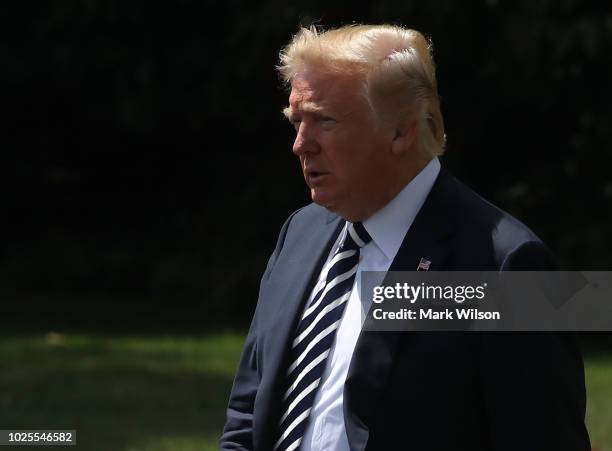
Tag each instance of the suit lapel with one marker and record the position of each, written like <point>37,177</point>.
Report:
<point>375,351</point>
<point>294,277</point>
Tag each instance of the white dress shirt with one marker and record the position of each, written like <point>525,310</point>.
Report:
<point>387,227</point>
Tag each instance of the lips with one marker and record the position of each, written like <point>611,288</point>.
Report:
<point>315,177</point>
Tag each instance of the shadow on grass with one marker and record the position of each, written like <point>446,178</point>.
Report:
<point>116,316</point>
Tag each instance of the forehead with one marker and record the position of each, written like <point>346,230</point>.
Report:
<point>321,92</point>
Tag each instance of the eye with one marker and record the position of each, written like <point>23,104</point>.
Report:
<point>295,122</point>
<point>328,122</point>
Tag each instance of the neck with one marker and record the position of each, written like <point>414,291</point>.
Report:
<point>395,183</point>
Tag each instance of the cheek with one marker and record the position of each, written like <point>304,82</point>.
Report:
<point>349,157</point>
<point>366,167</point>
<point>343,152</point>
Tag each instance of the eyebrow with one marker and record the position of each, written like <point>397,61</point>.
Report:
<point>305,107</point>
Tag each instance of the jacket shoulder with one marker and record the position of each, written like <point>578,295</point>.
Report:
<point>307,218</point>
<point>312,212</point>
<point>485,225</point>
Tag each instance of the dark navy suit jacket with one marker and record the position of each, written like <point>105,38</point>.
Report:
<point>419,391</point>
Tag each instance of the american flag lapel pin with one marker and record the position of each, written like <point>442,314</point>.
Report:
<point>423,265</point>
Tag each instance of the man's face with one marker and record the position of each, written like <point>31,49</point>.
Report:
<point>344,155</point>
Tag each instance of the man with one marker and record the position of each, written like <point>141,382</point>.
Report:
<point>365,108</point>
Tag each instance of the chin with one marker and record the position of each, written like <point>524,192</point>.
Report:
<point>321,198</point>
<point>325,199</point>
<point>327,204</point>
<point>322,203</point>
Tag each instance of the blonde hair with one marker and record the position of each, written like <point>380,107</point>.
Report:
<point>396,66</point>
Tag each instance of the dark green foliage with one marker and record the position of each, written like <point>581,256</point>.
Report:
<point>149,158</point>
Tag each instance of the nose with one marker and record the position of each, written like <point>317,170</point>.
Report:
<point>305,141</point>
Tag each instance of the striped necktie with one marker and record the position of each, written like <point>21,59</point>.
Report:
<point>314,337</point>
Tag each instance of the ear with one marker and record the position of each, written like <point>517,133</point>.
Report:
<point>405,136</point>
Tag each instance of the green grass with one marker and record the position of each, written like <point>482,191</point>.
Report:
<point>120,393</point>
<point>159,393</point>
<point>598,369</point>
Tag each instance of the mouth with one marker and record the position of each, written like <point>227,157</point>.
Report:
<point>314,177</point>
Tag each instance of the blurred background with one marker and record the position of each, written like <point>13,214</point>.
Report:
<point>144,149</point>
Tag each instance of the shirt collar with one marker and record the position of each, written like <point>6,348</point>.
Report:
<point>389,225</point>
